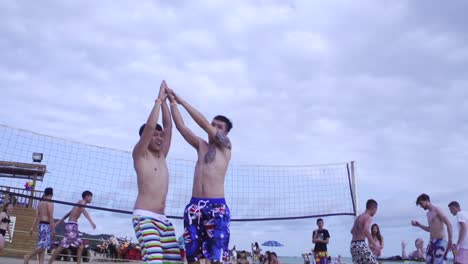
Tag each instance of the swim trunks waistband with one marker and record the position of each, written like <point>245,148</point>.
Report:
<point>195,200</point>
<point>72,223</point>
<point>44,222</point>
<point>142,212</point>
<point>358,241</point>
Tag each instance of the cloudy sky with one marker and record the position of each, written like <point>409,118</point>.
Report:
<point>383,83</point>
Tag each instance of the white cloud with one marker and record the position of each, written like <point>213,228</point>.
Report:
<point>303,81</point>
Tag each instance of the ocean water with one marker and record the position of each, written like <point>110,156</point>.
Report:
<point>300,260</point>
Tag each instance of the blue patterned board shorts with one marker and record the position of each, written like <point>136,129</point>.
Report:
<point>436,252</point>
<point>44,235</point>
<point>72,236</point>
<point>206,229</point>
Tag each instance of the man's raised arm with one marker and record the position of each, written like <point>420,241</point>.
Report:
<point>167,124</point>
<point>145,139</point>
<point>196,116</point>
<point>188,135</point>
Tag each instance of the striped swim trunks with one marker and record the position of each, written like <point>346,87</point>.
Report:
<point>156,236</point>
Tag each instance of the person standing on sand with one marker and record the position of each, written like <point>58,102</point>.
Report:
<point>360,251</point>
<point>44,221</point>
<point>438,247</point>
<point>5,224</point>
<point>320,237</point>
<point>378,238</point>
<point>461,248</point>
<point>206,216</point>
<point>72,234</point>
<point>154,231</point>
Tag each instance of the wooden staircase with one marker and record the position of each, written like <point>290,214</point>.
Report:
<point>23,242</point>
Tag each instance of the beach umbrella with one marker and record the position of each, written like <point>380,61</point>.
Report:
<point>272,243</point>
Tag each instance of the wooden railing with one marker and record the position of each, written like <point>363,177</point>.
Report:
<point>20,197</point>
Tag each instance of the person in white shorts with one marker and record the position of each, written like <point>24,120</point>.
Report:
<point>460,251</point>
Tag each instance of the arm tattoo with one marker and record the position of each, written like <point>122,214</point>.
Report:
<point>223,139</point>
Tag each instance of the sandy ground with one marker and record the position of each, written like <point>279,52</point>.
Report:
<point>5,260</point>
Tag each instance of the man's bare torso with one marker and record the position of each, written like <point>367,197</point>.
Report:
<point>359,228</point>
<point>436,226</point>
<point>209,176</point>
<point>76,212</point>
<point>153,182</point>
<point>43,211</point>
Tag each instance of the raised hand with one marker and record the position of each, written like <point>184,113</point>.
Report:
<point>162,91</point>
<point>171,98</point>
<point>415,223</point>
<point>174,96</point>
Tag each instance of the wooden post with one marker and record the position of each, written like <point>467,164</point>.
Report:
<point>32,191</point>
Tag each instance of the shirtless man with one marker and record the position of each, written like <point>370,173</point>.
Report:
<point>46,227</point>
<point>460,250</point>
<point>206,217</point>
<point>155,233</point>
<point>72,235</point>
<point>438,246</point>
<point>360,251</point>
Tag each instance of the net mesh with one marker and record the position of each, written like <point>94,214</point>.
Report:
<point>252,192</point>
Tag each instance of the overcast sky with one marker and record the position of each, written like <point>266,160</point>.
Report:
<point>383,83</point>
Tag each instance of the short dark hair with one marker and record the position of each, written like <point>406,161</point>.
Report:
<point>158,128</point>
<point>320,219</point>
<point>48,191</point>
<point>454,204</point>
<point>371,203</point>
<point>86,193</point>
<point>225,120</point>
<point>423,197</point>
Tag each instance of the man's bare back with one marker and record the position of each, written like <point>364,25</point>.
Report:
<point>361,227</point>
<point>44,211</point>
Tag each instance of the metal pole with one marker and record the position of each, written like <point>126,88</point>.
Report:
<point>354,186</point>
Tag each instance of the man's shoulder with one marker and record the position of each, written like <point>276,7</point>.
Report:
<point>462,215</point>
<point>223,139</point>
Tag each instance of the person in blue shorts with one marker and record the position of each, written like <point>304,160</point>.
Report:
<point>207,216</point>
<point>438,245</point>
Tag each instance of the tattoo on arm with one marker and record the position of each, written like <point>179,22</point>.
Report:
<point>223,139</point>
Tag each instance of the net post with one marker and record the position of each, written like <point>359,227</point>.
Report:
<point>354,186</point>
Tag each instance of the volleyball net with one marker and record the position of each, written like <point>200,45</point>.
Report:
<point>253,192</point>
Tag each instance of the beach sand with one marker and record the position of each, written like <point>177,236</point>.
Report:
<point>6,260</point>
